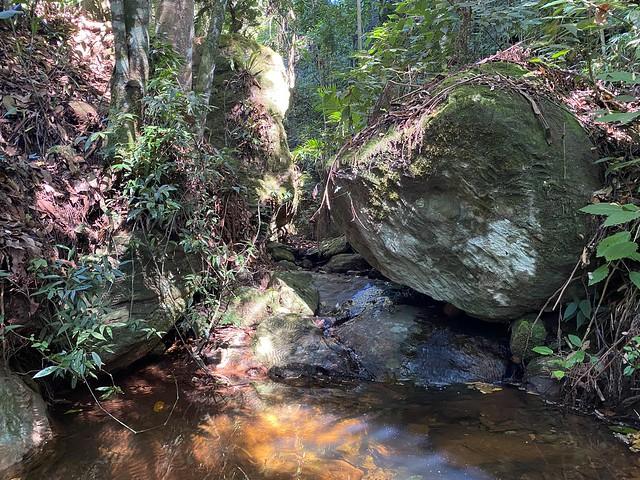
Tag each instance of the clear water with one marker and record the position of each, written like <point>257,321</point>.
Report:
<point>265,430</point>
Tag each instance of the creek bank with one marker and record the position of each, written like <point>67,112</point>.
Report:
<point>469,196</point>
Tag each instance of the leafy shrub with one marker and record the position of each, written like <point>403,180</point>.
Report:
<point>73,337</point>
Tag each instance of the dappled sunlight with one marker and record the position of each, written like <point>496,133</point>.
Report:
<point>289,439</point>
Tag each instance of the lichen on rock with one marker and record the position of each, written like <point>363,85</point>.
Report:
<point>468,195</point>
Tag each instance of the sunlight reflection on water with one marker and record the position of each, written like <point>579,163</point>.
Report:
<point>355,432</point>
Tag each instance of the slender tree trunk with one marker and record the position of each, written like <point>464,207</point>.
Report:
<point>359,23</point>
<point>174,23</point>
<point>130,23</point>
<point>206,71</point>
<point>375,14</point>
<point>462,45</point>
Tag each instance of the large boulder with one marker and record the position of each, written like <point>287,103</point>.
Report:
<point>470,194</point>
<point>24,426</point>
<point>151,296</point>
<point>287,293</point>
<point>249,103</point>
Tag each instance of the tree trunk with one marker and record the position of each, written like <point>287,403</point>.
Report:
<point>375,14</point>
<point>206,71</point>
<point>130,23</point>
<point>174,23</point>
<point>359,23</point>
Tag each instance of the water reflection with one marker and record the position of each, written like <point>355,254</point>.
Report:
<point>359,432</point>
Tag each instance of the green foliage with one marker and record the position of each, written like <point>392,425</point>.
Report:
<point>618,250</point>
<point>151,167</point>
<point>573,354</point>
<point>632,356</point>
<point>73,337</point>
<point>183,189</point>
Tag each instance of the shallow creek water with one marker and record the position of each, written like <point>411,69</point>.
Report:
<point>266,430</point>
<point>259,429</point>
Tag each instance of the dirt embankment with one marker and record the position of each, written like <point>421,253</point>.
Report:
<point>54,94</point>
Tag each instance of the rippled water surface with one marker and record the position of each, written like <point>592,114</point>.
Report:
<point>368,431</point>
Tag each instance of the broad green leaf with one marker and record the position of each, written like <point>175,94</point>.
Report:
<point>570,311</point>
<point>599,274</point>
<point>620,250</point>
<point>542,350</point>
<point>630,78</point>
<point>46,371</point>
<point>619,117</point>
<point>96,359</point>
<point>574,358</point>
<point>585,308</point>
<point>558,374</point>
<point>635,278</point>
<point>620,218</point>
<point>575,341</point>
<point>561,53</point>
<point>605,243</point>
<point>602,208</point>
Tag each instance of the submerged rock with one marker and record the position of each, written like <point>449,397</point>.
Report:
<point>374,334</point>
<point>24,426</point>
<point>293,345</point>
<point>399,342</point>
<point>473,201</point>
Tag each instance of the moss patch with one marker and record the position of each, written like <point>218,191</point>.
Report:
<point>526,334</point>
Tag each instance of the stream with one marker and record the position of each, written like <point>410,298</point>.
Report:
<point>330,430</point>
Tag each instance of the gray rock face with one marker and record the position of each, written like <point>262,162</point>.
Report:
<point>24,426</point>
<point>372,333</point>
<point>346,262</point>
<point>398,342</point>
<point>474,203</point>
<point>152,294</point>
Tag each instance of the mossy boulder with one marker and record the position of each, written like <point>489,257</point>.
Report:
<point>333,246</point>
<point>249,103</point>
<point>297,292</point>
<point>526,334</point>
<point>152,295</point>
<point>24,426</point>
<point>287,293</point>
<point>474,199</point>
<point>538,377</point>
<point>346,262</point>
<point>279,253</point>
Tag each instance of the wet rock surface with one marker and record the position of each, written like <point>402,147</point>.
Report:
<point>375,330</point>
<point>24,426</point>
<point>397,335</point>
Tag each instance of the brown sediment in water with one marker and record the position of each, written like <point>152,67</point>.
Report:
<point>362,431</point>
